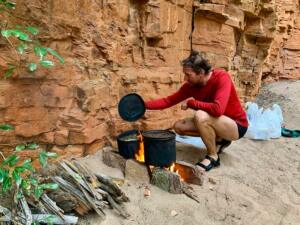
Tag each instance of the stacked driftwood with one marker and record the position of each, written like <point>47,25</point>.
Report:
<point>80,190</point>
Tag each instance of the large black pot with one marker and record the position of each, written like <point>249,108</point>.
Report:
<point>128,147</point>
<point>159,147</point>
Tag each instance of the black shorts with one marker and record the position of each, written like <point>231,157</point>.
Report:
<point>242,130</point>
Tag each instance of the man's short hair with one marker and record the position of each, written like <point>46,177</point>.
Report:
<point>196,62</point>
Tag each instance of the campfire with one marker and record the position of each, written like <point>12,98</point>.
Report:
<point>140,155</point>
<point>156,150</point>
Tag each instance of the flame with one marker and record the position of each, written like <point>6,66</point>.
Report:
<point>172,168</point>
<point>139,156</point>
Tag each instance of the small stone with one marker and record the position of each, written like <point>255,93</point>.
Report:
<point>212,180</point>
<point>147,192</point>
<point>174,213</point>
<point>211,188</point>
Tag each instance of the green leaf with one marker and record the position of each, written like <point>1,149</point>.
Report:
<point>6,127</point>
<point>16,176</point>
<point>32,146</point>
<point>26,187</point>
<point>33,181</point>
<point>20,169</point>
<point>8,73</point>
<point>10,66</point>
<point>21,35</point>
<point>46,63</point>
<point>33,30</point>
<point>27,165</point>
<point>55,54</point>
<point>38,191</point>
<point>19,194</point>
<point>20,147</point>
<point>6,184</point>
<point>11,160</point>
<point>6,33</point>
<point>50,186</point>
<point>10,5</point>
<point>17,33</point>
<point>3,174</point>
<point>32,67</point>
<point>40,51</point>
<point>51,154</point>
<point>21,48</point>
<point>43,158</point>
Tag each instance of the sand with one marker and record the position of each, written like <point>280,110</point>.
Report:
<point>258,182</point>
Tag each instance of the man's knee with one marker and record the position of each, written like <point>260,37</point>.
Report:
<point>201,116</point>
<point>178,127</point>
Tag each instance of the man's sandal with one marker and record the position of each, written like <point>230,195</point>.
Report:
<point>213,163</point>
<point>223,144</point>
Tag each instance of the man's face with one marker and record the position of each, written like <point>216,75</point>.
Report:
<point>192,77</point>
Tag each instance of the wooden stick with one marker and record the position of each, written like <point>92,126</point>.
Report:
<point>186,190</point>
<point>106,180</point>
<point>6,213</point>
<point>117,207</point>
<point>66,186</point>
<point>51,206</point>
<point>44,218</point>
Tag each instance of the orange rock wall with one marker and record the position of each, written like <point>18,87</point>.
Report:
<point>115,47</point>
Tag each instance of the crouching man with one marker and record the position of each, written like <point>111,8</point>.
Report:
<point>219,117</point>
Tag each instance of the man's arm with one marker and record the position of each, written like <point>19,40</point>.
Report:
<point>169,101</point>
<point>219,104</point>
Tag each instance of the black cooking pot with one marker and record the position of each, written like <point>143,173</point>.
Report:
<point>128,144</point>
<point>159,147</point>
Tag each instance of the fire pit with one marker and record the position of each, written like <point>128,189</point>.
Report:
<point>155,147</point>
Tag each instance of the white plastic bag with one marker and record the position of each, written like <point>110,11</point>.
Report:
<point>263,124</point>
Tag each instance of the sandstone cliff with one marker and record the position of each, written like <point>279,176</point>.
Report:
<point>114,47</point>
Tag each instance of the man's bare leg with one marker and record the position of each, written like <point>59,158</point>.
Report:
<point>209,129</point>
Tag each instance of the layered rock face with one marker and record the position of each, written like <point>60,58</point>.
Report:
<point>117,47</point>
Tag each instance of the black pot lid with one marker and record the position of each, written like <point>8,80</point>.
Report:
<point>131,107</point>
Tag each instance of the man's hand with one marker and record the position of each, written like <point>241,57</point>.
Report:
<point>184,106</point>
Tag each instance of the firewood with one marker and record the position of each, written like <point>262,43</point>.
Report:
<point>117,207</point>
<point>51,206</point>
<point>6,215</point>
<point>68,187</point>
<point>166,180</point>
<point>66,201</point>
<point>106,180</point>
<point>188,173</point>
<point>21,212</point>
<point>82,185</point>
<point>42,218</point>
<point>187,190</point>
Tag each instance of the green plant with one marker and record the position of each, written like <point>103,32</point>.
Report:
<point>26,49</point>
<point>21,176</point>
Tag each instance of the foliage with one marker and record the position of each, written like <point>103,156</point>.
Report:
<point>27,51</point>
<point>21,175</point>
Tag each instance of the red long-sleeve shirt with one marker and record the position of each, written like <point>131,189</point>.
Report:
<point>217,97</point>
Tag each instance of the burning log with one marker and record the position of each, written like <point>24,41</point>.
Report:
<point>188,173</point>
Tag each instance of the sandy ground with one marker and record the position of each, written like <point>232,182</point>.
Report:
<point>258,182</point>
